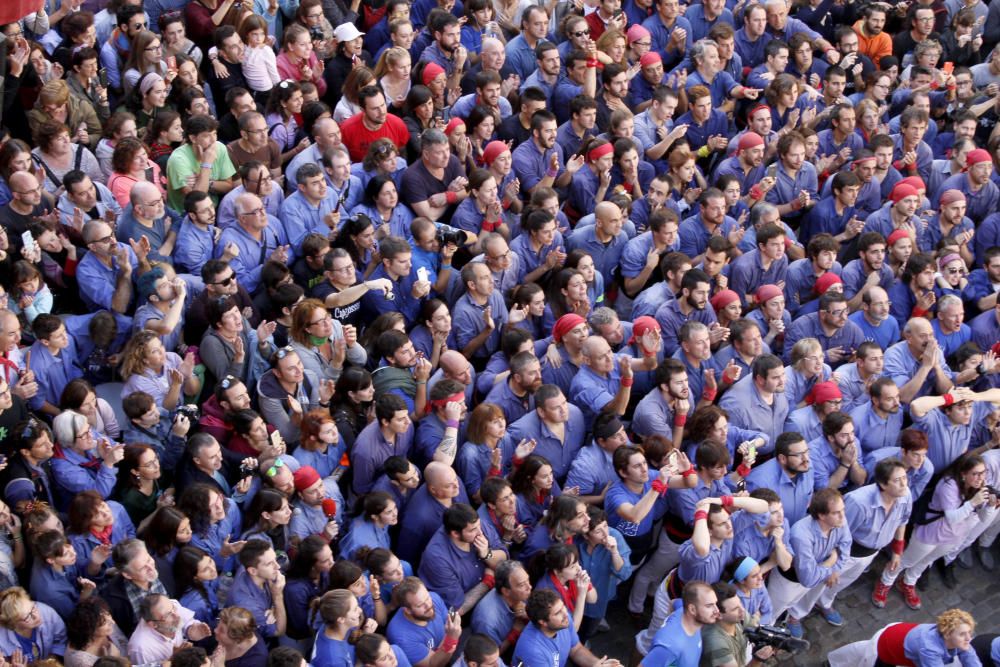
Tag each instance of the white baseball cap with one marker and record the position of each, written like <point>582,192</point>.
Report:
<point>346,32</point>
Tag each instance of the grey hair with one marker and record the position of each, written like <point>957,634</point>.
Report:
<point>759,211</point>
<point>432,136</point>
<point>126,551</point>
<point>65,426</point>
<point>689,329</point>
<point>943,302</point>
<point>601,316</point>
<point>147,604</point>
<point>698,49</point>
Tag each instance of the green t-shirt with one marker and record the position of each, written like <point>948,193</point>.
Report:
<point>719,648</point>
<point>182,163</point>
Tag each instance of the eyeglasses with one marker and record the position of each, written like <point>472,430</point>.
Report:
<point>256,212</point>
<point>838,312</point>
<point>225,282</point>
<point>804,452</point>
<point>154,48</point>
<point>642,43</point>
<point>323,320</point>
<point>259,131</point>
<point>138,26</point>
<point>86,435</point>
<point>282,353</point>
<point>32,613</point>
<point>579,33</point>
<point>314,16</point>
<point>273,470</point>
<point>499,257</point>
<point>344,269</point>
<point>955,270</point>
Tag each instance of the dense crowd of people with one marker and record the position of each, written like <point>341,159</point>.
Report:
<point>386,333</point>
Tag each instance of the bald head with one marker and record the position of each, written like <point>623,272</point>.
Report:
<point>95,230</point>
<point>492,45</point>
<point>453,362</point>
<point>442,482</point>
<point>247,202</point>
<point>917,326</point>
<point>22,181</point>
<point>605,210</point>
<point>141,192</point>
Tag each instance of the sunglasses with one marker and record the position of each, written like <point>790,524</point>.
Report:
<point>228,381</point>
<point>31,430</point>
<point>284,352</point>
<point>273,470</point>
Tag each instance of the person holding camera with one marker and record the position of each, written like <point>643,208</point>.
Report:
<point>152,425</point>
<point>723,643</point>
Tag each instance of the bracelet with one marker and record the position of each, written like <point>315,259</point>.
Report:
<point>680,420</point>
<point>512,636</point>
<point>421,381</point>
<point>324,405</point>
<point>16,538</point>
<point>450,196</point>
<point>845,465</point>
<point>918,312</point>
<point>378,599</point>
<point>690,471</point>
<point>743,470</point>
<point>727,502</point>
<point>948,400</point>
<point>627,382</point>
<point>552,173</point>
<point>448,645</point>
<point>709,394</point>
<point>489,581</point>
<point>451,423</point>
<point>700,515</point>
<point>592,62</point>
<point>898,546</point>
<point>756,192</point>
<point>660,486</point>
<point>206,165</point>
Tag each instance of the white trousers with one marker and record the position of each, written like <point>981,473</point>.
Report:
<point>857,654</point>
<point>853,569</point>
<point>917,558</point>
<point>793,597</point>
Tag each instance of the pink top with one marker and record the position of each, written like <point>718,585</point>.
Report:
<point>121,184</point>
<point>289,71</point>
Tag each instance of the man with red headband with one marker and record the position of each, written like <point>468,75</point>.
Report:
<point>898,213</point>
<point>747,165</point>
<point>568,334</point>
<point>981,194</point>
<point>823,399</point>
<point>952,221</point>
<point>442,429</point>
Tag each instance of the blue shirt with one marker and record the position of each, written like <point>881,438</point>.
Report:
<point>848,337</point>
<point>449,571</point>
<point>48,639</point>
<point>374,303</point>
<point>253,253</point>
<point>257,600</point>
<point>795,493</point>
<point>918,479</point>
<point>805,421</point>
<point>492,617</point>
<point>619,495</point>
<point>535,649</point>
<point>871,526</point>
<point>420,521</point>
<point>592,392</point>
<point>748,540</point>
<point>901,366</point>
<point>672,645</point>
<point>559,453</point>
<point>694,237</point>
<point>978,204</point>
<point>872,431</point>
<point>660,37</point>
<point>747,273</point>
<point>417,641</point>
<point>301,217</point>
<point>469,322</point>
<point>97,281</point>
<point>812,547</point>
<point>707,568</point>
<point>59,590</point>
<point>924,645</point>
<point>747,409</point>
<point>370,451</point>
<point>474,461</point>
<point>364,533</point>
<point>606,256</point>
<point>653,416</point>
<point>591,471</point>
<point>824,463</point>
<point>721,86</point>
<point>883,335</point>
<point>949,440</point>
<point>670,318</point>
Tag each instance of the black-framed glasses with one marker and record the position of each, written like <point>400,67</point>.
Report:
<point>324,320</point>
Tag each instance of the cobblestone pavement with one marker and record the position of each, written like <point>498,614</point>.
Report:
<point>978,592</point>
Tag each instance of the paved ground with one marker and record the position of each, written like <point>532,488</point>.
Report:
<point>978,593</point>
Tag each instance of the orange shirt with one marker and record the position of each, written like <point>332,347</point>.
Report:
<point>873,47</point>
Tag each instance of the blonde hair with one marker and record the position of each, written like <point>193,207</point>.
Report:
<point>11,600</point>
<point>802,348</point>
<point>390,58</point>
<point>54,93</point>
<point>134,356</point>
<point>949,621</point>
<point>240,624</point>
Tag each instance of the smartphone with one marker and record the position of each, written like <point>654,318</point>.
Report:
<point>422,273</point>
<point>245,471</point>
<point>276,439</point>
<point>28,241</point>
<point>948,67</point>
<point>752,451</point>
<point>102,77</point>
<point>172,63</point>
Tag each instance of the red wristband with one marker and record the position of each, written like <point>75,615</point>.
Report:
<point>699,515</point>
<point>690,471</point>
<point>512,636</point>
<point>756,192</point>
<point>489,225</point>
<point>680,421</point>
<point>516,462</point>
<point>743,470</point>
<point>592,62</point>
<point>489,581</point>
<point>948,399</point>
<point>448,645</point>
<point>709,394</point>
<point>451,196</point>
<point>660,487</point>
<point>494,472</point>
<point>627,382</point>
<point>918,312</point>
<point>898,546</point>
<point>505,204</point>
<point>727,502</point>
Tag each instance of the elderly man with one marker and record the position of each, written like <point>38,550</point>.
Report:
<point>256,236</point>
<point>256,179</point>
<point>136,578</point>
<point>949,327</point>
<point>150,218</point>
<point>916,363</point>
<point>454,366</point>
<point>424,512</point>
<point>838,336</point>
<point>604,384</point>
<point>326,134</point>
<point>105,273</point>
<point>165,626</point>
